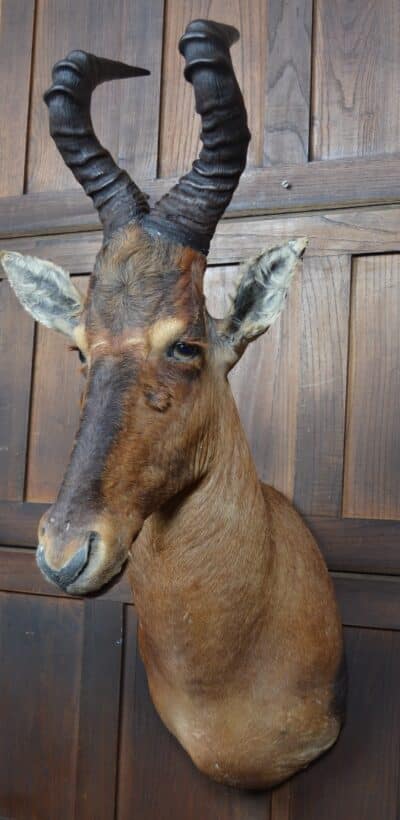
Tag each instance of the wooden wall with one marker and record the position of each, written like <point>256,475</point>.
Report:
<point>319,395</point>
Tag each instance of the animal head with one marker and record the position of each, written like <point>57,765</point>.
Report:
<point>156,362</point>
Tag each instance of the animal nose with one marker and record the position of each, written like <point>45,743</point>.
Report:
<point>73,567</point>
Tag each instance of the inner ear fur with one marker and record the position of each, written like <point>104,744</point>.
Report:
<point>261,292</point>
<point>45,290</point>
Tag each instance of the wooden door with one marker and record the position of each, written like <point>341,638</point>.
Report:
<point>319,395</point>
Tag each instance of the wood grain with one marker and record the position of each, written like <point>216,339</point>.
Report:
<point>359,777</point>
<point>322,385</point>
<point>40,648</point>
<point>356,61</point>
<point>16,351</point>
<point>16,34</point>
<point>108,31</point>
<point>315,186</point>
<point>54,412</point>
<point>97,752</point>
<point>126,756</point>
<point>180,127</point>
<point>372,460</point>
<point>287,109</point>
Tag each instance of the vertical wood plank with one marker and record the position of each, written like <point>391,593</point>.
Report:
<point>126,754</point>
<point>356,62</point>
<point>164,783</point>
<point>54,411</point>
<point>359,777</point>
<point>372,457</point>
<point>40,652</point>
<point>287,111</point>
<point>99,711</point>
<point>141,45</point>
<point>180,127</point>
<point>95,26</point>
<point>322,393</point>
<point>16,352</point>
<point>16,38</point>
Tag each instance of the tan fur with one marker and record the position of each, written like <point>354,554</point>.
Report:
<point>238,625</point>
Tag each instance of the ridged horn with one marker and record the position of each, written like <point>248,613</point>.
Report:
<point>189,213</point>
<point>115,196</point>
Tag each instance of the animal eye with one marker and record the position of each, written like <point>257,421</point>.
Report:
<point>183,351</point>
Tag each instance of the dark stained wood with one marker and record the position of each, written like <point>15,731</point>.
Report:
<point>322,385</point>
<point>97,752</point>
<point>348,545</point>
<point>16,32</point>
<point>157,758</point>
<point>369,601</point>
<point>371,487</point>
<point>356,60</point>
<point>180,128</point>
<point>19,573</point>
<point>92,26</point>
<point>141,45</point>
<point>56,384</point>
<point>40,646</point>
<point>333,233</point>
<point>287,114</point>
<point>358,545</point>
<point>19,522</point>
<point>126,755</point>
<point>16,349</point>
<point>359,777</point>
<point>318,185</point>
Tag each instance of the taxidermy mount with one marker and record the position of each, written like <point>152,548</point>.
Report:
<point>238,625</point>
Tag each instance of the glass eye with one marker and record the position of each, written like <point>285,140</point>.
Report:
<point>183,351</point>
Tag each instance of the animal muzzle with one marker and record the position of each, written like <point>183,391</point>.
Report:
<point>81,559</point>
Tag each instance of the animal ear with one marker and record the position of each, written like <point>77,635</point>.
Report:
<point>260,296</point>
<point>44,290</point>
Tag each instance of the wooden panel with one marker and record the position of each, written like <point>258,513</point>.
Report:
<point>39,705</point>
<point>322,390</point>
<point>19,523</point>
<point>19,573</point>
<point>179,146</point>
<point>165,783</point>
<point>358,545</point>
<point>290,384</point>
<point>126,763</point>
<point>372,461</point>
<point>97,752</point>
<point>356,109</point>
<point>16,347</point>
<point>318,185</point>
<point>359,778</point>
<point>54,413</point>
<point>105,30</point>
<point>16,32</point>
<point>368,601</point>
<point>141,45</point>
<point>287,115</point>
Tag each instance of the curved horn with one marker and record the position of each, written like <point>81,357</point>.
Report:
<point>117,199</point>
<point>189,213</point>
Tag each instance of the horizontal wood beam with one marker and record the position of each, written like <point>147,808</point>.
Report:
<point>350,231</point>
<point>348,544</point>
<point>365,601</point>
<point>321,185</point>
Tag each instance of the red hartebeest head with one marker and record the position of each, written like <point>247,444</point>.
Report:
<point>156,361</point>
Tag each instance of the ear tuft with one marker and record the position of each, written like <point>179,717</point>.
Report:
<point>44,290</point>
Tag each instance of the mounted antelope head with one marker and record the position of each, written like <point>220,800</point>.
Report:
<point>230,590</point>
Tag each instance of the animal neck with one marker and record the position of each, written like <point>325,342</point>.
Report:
<point>201,565</point>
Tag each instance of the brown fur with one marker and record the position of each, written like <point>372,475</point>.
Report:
<point>238,624</point>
